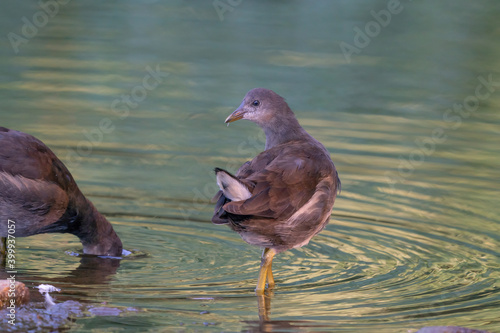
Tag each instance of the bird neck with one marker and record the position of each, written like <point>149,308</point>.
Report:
<point>282,130</point>
<point>96,233</point>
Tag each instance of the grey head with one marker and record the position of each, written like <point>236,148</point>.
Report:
<point>271,112</point>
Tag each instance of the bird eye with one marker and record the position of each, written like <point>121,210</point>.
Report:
<point>256,103</point>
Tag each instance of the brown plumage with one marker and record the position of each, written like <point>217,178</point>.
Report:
<point>285,195</point>
<point>39,194</point>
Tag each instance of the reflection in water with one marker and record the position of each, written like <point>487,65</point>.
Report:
<point>266,324</point>
<point>92,271</point>
<point>80,286</point>
<point>381,271</point>
<point>264,306</point>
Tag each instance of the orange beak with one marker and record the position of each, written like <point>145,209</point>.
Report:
<point>236,115</point>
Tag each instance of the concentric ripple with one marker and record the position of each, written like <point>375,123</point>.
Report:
<point>386,270</point>
<point>368,271</point>
<point>356,269</point>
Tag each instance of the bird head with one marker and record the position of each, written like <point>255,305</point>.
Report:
<point>261,106</point>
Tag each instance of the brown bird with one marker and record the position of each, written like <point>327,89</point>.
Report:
<point>38,195</point>
<point>285,195</point>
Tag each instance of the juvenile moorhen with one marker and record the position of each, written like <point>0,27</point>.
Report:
<point>38,194</point>
<point>285,195</point>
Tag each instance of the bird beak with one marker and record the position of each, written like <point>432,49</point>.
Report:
<point>236,115</point>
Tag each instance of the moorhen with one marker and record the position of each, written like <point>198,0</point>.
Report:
<point>39,195</point>
<point>285,195</point>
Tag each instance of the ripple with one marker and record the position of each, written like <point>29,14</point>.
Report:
<point>387,270</point>
<point>373,270</point>
<point>356,267</point>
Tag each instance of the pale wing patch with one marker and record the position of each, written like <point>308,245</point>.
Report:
<point>232,188</point>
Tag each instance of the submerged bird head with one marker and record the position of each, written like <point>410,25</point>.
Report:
<point>262,106</point>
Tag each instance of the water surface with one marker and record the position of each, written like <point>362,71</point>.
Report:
<point>415,234</point>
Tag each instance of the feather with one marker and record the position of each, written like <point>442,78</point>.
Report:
<point>231,187</point>
<point>284,196</point>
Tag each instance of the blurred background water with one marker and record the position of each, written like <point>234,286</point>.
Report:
<point>405,95</point>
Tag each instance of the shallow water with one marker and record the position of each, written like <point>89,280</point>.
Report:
<point>414,239</point>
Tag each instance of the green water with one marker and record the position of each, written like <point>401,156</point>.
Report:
<point>414,239</point>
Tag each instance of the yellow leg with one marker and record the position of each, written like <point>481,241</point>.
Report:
<point>265,272</point>
<point>270,277</point>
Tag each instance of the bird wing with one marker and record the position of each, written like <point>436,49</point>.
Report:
<point>285,178</point>
<point>30,204</point>
<point>34,183</point>
<point>24,155</point>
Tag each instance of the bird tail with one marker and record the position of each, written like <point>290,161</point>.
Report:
<point>231,186</point>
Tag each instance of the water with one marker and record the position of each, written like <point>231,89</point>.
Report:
<point>414,239</point>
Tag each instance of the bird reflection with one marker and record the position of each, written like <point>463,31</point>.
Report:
<point>264,304</point>
<point>93,271</point>
<point>266,324</point>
